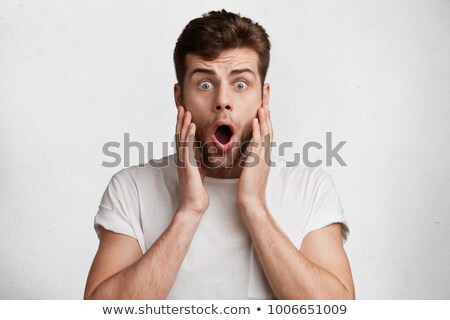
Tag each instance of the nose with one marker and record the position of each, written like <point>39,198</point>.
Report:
<point>219,107</point>
<point>222,100</point>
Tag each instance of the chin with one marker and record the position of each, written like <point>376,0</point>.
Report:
<point>215,159</point>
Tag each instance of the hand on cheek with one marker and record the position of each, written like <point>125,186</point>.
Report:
<point>193,197</point>
<point>253,180</point>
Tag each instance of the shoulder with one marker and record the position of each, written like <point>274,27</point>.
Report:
<point>151,170</point>
<point>291,172</point>
<point>306,186</point>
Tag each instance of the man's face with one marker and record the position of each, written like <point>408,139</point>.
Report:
<point>223,96</point>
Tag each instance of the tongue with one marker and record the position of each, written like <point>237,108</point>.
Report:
<point>223,134</point>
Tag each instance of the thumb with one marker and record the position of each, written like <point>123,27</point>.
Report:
<point>202,171</point>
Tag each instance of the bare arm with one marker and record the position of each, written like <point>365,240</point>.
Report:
<point>319,270</point>
<point>148,276</point>
<point>120,271</point>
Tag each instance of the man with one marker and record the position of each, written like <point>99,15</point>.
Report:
<point>221,221</point>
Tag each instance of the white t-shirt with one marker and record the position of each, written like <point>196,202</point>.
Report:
<point>221,262</point>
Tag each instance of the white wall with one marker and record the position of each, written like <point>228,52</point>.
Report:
<point>76,74</point>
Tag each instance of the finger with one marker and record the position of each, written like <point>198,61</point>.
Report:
<point>185,126</point>
<point>197,149</point>
<point>256,135</point>
<point>268,119</point>
<point>190,146</point>
<point>269,122</point>
<point>266,136</point>
<point>180,116</point>
<point>182,144</point>
<point>254,144</point>
<point>202,171</point>
<point>262,116</point>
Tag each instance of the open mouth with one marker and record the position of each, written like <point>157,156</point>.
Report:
<point>223,135</point>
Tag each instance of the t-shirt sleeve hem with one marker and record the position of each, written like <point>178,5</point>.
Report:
<point>111,221</point>
<point>330,216</point>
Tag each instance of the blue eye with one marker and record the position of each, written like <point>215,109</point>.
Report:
<point>241,85</point>
<point>205,85</point>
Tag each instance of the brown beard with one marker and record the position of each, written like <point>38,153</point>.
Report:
<point>212,158</point>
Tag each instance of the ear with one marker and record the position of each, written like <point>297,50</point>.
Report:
<point>266,93</point>
<point>177,95</point>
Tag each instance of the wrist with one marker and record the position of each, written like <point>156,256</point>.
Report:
<point>251,202</point>
<point>191,209</point>
<point>253,207</point>
<point>184,216</point>
<point>256,217</point>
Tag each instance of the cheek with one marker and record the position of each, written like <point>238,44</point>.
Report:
<point>197,104</point>
<point>248,106</point>
<point>193,98</point>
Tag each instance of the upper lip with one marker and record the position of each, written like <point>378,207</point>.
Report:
<point>219,123</point>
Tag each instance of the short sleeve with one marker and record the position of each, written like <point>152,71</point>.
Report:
<point>327,208</point>
<point>118,210</point>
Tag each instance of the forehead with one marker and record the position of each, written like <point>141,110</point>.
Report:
<point>226,61</point>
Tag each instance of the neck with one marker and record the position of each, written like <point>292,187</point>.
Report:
<point>225,173</point>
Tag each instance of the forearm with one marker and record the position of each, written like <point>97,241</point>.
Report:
<point>290,274</point>
<point>152,276</point>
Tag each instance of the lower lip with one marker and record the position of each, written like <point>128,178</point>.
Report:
<point>223,147</point>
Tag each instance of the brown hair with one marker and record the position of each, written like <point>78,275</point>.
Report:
<point>217,31</point>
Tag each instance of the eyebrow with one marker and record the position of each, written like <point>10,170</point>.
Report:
<point>213,73</point>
